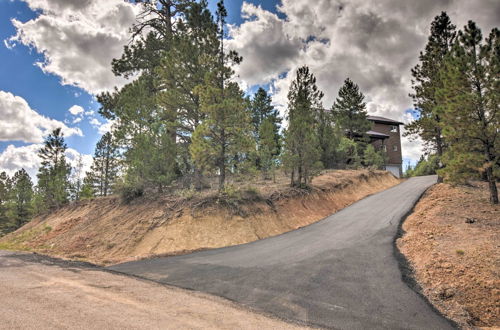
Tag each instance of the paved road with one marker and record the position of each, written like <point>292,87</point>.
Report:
<point>341,272</point>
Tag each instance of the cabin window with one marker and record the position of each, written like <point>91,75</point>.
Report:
<point>383,148</point>
<point>395,148</point>
<point>394,128</point>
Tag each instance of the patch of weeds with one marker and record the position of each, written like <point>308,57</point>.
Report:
<point>18,242</point>
<point>187,193</point>
<point>460,252</point>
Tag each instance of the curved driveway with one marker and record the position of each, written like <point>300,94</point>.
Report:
<point>341,272</point>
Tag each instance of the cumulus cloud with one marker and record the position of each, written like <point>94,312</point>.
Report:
<point>78,39</point>
<point>14,158</point>
<point>21,123</point>
<point>375,43</point>
<point>76,110</point>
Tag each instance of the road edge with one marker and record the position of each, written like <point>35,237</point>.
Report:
<point>406,269</point>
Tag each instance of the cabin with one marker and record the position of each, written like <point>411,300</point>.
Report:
<point>385,135</point>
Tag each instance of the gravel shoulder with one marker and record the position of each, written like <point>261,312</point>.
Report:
<point>44,293</point>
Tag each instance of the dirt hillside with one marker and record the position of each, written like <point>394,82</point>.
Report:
<point>107,231</point>
<point>452,242</point>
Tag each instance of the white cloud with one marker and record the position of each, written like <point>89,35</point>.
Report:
<point>21,123</point>
<point>76,110</point>
<point>78,39</point>
<point>95,122</point>
<point>77,120</point>
<point>375,43</point>
<point>14,158</point>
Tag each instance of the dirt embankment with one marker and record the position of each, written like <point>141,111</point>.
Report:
<point>452,241</point>
<point>106,231</point>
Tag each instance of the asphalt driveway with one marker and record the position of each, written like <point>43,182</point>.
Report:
<point>342,272</point>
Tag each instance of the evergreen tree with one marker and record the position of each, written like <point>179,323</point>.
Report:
<point>348,153</point>
<point>105,165</point>
<point>302,155</point>
<point>372,158</point>
<point>261,108</point>
<point>427,81</point>
<point>76,178</point>
<point>470,99</point>
<point>225,130</point>
<point>267,148</point>
<point>5,190</point>
<point>329,138</point>
<point>183,68</point>
<point>349,110</point>
<point>53,175</point>
<point>21,195</point>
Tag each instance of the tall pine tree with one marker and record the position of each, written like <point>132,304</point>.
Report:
<point>53,175</point>
<point>349,111</point>
<point>302,154</point>
<point>427,81</point>
<point>470,99</point>
<point>225,132</point>
<point>105,165</point>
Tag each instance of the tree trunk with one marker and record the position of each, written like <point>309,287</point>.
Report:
<point>222,163</point>
<point>439,149</point>
<point>490,177</point>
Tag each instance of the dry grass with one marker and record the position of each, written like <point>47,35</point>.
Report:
<point>107,231</point>
<point>452,242</point>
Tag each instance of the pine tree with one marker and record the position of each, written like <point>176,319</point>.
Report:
<point>22,196</point>
<point>349,110</point>
<point>5,191</point>
<point>427,81</point>
<point>225,132</point>
<point>372,158</point>
<point>302,155</point>
<point>76,178</point>
<point>53,175</point>
<point>329,138</point>
<point>267,147</point>
<point>183,68</point>
<point>105,165</point>
<point>470,98</point>
<point>262,108</point>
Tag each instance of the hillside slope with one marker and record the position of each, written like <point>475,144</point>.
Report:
<point>106,231</point>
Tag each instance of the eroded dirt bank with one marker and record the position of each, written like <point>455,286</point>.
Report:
<point>106,231</point>
<point>452,242</point>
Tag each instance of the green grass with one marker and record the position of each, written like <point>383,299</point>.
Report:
<point>18,242</point>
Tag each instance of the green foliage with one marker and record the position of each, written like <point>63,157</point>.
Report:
<point>16,195</point>
<point>223,139</point>
<point>469,101</point>
<point>104,170</point>
<point>426,83</point>
<point>373,158</point>
<point>53,175</point>
<point>348,153</point>
<point>425,166</point>
<point>349,110</point>
<point>329,136</point>
<point>267,148</point>
<point>302,150</point>
<point>261,109</point>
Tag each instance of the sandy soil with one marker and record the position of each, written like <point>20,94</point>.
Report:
<point>106,231</point>
<point>452,241</point>
<point>37,293</point>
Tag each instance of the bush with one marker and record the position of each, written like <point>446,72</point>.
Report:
<point>129,192</point>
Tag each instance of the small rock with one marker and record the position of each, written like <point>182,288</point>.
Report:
<point>470,220</point>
